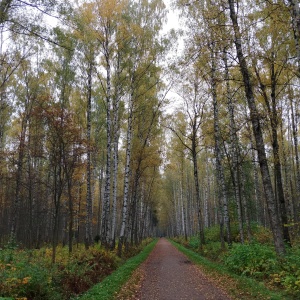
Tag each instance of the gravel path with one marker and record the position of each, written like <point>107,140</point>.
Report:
<point>169,275</point>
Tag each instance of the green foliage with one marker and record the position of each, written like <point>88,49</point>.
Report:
<point>255,260</point>
<point>194,242</point>
<point>259,233</point>
<point>29,274</point>
<point>211,249</point>
<point>181,240</point>
<point>212,234</point>
<point>21,277</point>
<point>241,287</point>
<point>260,261</point>
<point>289,275</point>
<point>214,251</point>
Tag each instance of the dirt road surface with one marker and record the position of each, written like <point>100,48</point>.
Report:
<point>169,275</point>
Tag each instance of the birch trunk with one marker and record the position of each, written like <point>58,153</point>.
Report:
<point>273,116</point>
<point>234,147</point>
<point>257,194</point>
<point>89,205</point>
<point>296,28</point>
<point>277,160</point>
<point>105,235</point>
<point>100,202</point>
<point>176,197</point>
<point>296,150</point>
<point>223,201</point>
<point>184,200</point>
<point>275,221</point>
<point>208,191</point>
<point>126,179</point>
<point>116,134</point>
<point>287,175</point>
<point>71,215</point>
<point>198,198</point>
<point>134,206</point>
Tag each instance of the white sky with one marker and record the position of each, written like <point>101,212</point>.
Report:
<point>173,16</point>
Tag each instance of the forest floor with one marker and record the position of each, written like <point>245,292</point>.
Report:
<point>167,274</point>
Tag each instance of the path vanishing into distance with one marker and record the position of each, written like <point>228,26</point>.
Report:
<point>170,275</point>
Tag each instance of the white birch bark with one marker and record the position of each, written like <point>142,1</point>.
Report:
<point>296,27</point>
<point>89,204</point>
<point>183,199</point>
<point>105,236</point>
<point>126,177</point>
<point>223,201</point>
<point>234,149</point>
<point>275,221</point>
<point>116,134</point>
<point>206,196</point>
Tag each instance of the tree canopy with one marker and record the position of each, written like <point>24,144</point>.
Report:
<point>108,133</point>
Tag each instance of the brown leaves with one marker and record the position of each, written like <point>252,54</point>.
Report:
<point>130,291</point>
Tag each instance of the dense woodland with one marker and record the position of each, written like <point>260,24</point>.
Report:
<point>110,132</point>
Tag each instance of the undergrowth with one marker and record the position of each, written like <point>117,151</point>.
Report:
<point>111,285</point>
<point>29,274</point>
<point>255,260</point>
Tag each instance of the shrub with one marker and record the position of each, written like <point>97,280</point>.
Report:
<point>252,259</point>
<point>29,274</point>
<point>194,242</point>
<point>261,234</point>
<point>214,251</point>
<point>85,269</point>
<point>289,275</point>
<point>23,278</point>
<point>212,234</point>
<point>181,240</point>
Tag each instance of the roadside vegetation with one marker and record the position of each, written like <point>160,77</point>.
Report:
<point>251,270</point>
<point>30,274</point>
<point>112,284</point>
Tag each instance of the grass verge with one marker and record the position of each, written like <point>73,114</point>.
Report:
<point>238,287</point>
<point>111,285</point>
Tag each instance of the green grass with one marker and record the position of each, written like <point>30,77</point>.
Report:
<point>240,287</point>
<point>112,284</point>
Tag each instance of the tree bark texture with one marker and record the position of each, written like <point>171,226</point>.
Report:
<point>89,200</point>
<point>116,134</point>
<point>234,150</point>
<point>105,236</point>
<point>218,151</point>
<point>126,179</point>
<point>275,222</point>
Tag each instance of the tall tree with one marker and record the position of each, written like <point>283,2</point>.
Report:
<point>222,194</point>
<point>143,51</point>
<point>195,105</point>
<point>257,131</point>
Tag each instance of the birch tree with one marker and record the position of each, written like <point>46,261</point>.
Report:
<point>194,104</point>
<point>222,194</point>
<point>257,131</point>
<point>143,51</point>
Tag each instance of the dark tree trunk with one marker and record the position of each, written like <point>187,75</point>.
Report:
<point>275,221</point>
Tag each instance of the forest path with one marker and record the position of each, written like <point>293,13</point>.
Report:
<point>170,275</point>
